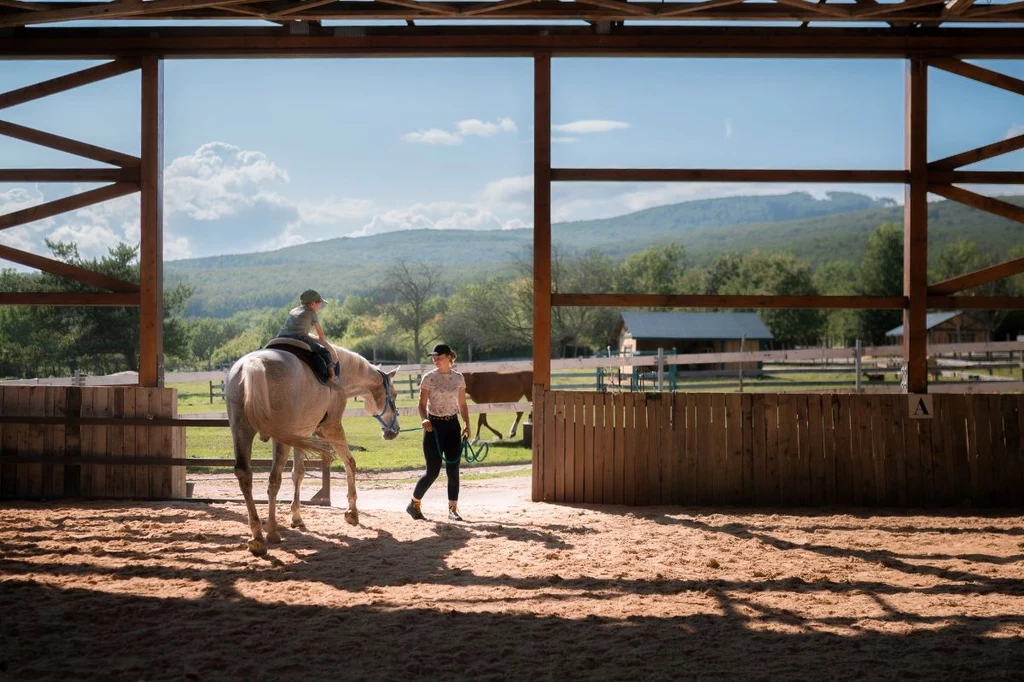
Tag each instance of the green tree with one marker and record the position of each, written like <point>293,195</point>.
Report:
<point>881,274</point>
<point>964,256</point>
<point>98,339</point>
<point>413,289</point>
<point>781,275</point>
<point>838,278</point>
<point>657,270</point>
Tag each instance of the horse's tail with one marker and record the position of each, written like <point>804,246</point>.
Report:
<point>256,404</point>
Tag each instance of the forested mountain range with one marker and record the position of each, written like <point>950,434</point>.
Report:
<point>817,231</point>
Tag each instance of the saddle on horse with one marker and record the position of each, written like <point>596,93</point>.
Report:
<point>315,356</point>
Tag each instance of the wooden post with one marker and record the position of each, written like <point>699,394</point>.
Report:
<point>542,219</point>
<point>915,227</point>
<point>151,240</point>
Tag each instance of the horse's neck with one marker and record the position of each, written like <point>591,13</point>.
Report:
<point>359,375</point>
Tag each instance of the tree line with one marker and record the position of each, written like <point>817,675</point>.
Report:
<point>413,306</point>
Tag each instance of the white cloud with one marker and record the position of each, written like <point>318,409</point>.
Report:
<point>564,140</point>
<point>438,215</point>
<point>470,127</point>
<point>433,136</point>
<point>589,126</point>
<point>1015,130</point>
<point>728,128</point>
<point>218,180</point>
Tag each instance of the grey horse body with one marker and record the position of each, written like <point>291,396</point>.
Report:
<point>271,393</point>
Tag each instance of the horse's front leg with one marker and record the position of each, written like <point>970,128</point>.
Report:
<point>335,435</point>
<point>298,472</point>
<point>273,486</point>
<point>241,436</point>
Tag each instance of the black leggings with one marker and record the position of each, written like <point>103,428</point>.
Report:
<point>449,434</point>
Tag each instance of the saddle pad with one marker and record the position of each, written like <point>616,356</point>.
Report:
<point>302,352</point>
<point>281,341</point>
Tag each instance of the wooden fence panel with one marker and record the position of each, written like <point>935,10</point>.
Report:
<point>620,457</point>
<point>691,482</point>
<point>603,444</point>
<point>630,439</point>
<point>733,489</point>
<point>540,399</point>
<point>773,485</point>
<point>775,449</point>
<point>58,443</point>
<point>747,440</point>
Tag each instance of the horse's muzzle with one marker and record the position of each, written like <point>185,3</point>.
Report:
<point>389,434</point>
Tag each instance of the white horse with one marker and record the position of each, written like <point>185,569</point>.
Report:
<point>273,393</point>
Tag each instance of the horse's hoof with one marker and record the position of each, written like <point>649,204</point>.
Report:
<point>274,537</point>
<point>257,547</point>
<point>352,516</point>
<point>298,523</point>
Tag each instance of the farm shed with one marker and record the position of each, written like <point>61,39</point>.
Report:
<point>642,332</point>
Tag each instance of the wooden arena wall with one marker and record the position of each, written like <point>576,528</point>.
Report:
<point>58,455</point>
<point>776,449</point>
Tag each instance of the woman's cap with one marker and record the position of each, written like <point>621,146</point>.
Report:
<point>310,296</point>
<point>442,349</point>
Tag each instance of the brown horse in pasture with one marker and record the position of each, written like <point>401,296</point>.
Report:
<point>499,387</point>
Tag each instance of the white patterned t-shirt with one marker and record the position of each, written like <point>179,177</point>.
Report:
<point>443,392</point>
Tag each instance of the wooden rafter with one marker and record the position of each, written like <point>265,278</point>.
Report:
<point>977,278</point>
<point>958,7</point>
<point>979,201</point>
<point>1010,144</point>
<point>71,203</point>
<point>64,144</point>
<point>674,10</point>
<point>976,302</point>
<point>816,9</point>
<point>738,301</point>
<point>119,9</point>
<point>981,74</point>
<point>437,8</point>
<point>69,175</point>
<point>725,175</point>
<point>68,82</point>
<point>626,8</point>
<point>298,7</point>
<point>897,13</point>
<point>72,272</point>
<point>496,7</point>
<point>73,298</point>
<point>966,177</point>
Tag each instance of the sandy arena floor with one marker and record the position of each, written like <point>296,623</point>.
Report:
<point>520,591</point>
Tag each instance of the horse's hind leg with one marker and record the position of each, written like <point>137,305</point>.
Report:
<point>241,436</point>
<point>273,486</point>
<point>515,425</point>
<point>483,422</point>
<point>298,472</point>
<point>335,435</point>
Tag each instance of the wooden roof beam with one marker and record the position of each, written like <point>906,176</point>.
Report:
<point>970,280</point>
<point>678,9</point>
<point>68,82</point>
<point>980,74</point>
<point>127,175</point>
<point>725,175</point>
<point>958,7</point>
<point>69,298</point>
<point>119,9</point>
<point>72,272</point>
<point>71,203</point>
<point>1010,144</point>
<point>64,144</point>
<point>979,201</point>
<point>728,301</point>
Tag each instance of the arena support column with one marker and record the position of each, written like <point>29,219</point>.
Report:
<point>541,255</point>
<point>151,239</point>
<point>915,227</point>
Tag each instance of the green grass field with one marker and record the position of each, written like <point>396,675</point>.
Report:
<point>371,452</point>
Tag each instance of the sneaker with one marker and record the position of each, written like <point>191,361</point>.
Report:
<point>453,513</point>
<point>414,511</point>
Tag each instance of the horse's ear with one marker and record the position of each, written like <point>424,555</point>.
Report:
<point>392,373</point>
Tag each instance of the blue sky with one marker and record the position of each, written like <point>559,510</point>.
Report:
<point>261,154</point>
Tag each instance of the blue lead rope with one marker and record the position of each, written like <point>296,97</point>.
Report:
<point>469,453</point>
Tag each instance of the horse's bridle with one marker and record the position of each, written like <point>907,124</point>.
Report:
<point>388,402</point>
